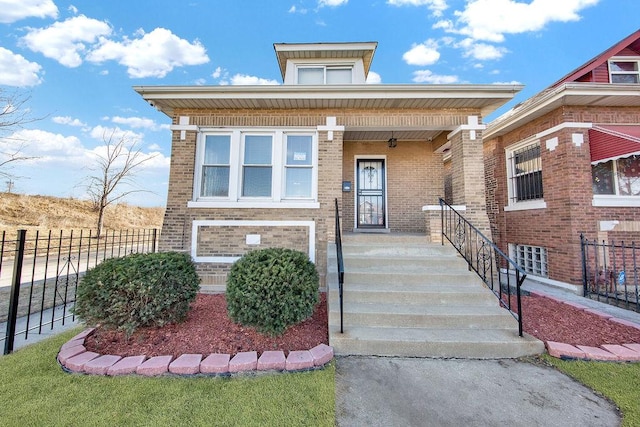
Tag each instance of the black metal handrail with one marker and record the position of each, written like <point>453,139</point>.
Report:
<point>485,258</point>
<point>340,263</point>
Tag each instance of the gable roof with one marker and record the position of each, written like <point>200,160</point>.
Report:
<point>569,91</point>
<point>632,42</point>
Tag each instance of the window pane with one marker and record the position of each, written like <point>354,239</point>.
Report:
<point>624,66</point>
<point>215,181</point>
<point>298,182</point>
<point>256,181</point>
<point>624,78</point>
<point>338,76</point>
<point>310,76</point>
<point>257,150</point>
<point>629,176</point>
<point>216,149</point>
<point>299,150</point>
<point>602,178</point>
<point>527,179</point>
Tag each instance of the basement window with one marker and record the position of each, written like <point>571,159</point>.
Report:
<point>532,259</point>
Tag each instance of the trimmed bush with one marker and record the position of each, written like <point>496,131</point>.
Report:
<point>138,290</point>
<point>272,289</point>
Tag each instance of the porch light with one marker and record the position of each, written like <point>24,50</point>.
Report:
<point>392,142</point>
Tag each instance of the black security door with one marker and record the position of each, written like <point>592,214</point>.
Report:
<point>370,192</point>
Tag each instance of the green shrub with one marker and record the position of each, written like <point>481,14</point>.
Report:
<point>272,289</point>
<point>138,290</point>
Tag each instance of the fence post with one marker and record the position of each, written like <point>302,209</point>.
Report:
<point>155,236</point>
<point>14,297</point>
<point>585,284</point>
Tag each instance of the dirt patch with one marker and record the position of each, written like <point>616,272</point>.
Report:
<point>208,330</point>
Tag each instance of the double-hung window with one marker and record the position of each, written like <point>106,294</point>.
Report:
<point>524,167</point>
<point>624,70</point>
<point>256,168</point>
<point>215,166</point>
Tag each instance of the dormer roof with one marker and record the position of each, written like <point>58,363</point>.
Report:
<point>350,50</point>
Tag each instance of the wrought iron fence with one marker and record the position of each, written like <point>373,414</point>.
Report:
<point>610,272</point>
<point>340,263</point>
<point>39,274</point>
<point>500,273</point>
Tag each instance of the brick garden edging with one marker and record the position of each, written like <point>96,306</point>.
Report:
<point>607,352</point>
<point>74,357</point>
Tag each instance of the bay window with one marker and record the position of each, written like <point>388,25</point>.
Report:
<point>524,172</point>
<point>257,168</point>
<point>619,177</point>
<point>215,166</point>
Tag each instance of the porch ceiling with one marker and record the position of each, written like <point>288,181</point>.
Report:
<point>482,98</point>
<point>426,135</point>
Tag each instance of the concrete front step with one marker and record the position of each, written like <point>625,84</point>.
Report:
<point>397,239</point>
<point>415,294</point>
<point>392,250</point>
<point>424,316</point>
<point>422,342</point>
<point>410,277</point>
<point>401,263</point>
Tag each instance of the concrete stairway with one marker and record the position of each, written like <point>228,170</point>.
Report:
<point>406,297</point>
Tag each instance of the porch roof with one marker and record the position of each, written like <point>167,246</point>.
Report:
<point>483,98</point>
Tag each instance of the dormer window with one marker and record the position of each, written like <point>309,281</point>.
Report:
<point>624,71</point>
<point>329,75</point>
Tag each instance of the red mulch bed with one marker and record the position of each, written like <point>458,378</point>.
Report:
<point>208,330</point>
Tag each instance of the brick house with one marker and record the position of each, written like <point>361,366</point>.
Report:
<point>261,166</point>
<point>566,162</point>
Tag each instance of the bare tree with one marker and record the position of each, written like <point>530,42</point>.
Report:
<point>14,114</point>
<point>113,170</point>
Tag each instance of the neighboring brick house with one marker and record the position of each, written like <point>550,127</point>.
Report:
<point>261,166</point>
<point>566,162</point>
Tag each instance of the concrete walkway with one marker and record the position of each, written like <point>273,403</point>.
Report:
<point>389,391</point>
<point>377,391</point>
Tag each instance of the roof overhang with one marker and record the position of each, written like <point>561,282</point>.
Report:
<point>482,98</point>
<point>612,142</point>
<point>568,94</point>
<point>362,50</point>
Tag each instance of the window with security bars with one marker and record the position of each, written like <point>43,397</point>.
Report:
<point>532,259</point>
<point>525,173</point>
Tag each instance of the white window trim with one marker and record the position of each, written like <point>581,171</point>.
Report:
<point>311,225</point>
<point>278,160</point>
<point>611,200</point>
<point>635,59</point>
<point>527,204</point>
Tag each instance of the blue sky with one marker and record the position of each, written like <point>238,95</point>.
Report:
<point>75,62</point>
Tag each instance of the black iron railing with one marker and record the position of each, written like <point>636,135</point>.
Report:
<point>500,273</point>
<point>610,272</point>
<point>40,271</point>
<point>340,264</point>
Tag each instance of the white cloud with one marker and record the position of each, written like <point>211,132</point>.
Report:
<point>16,70</point>
<point>136,122</point>
<point>512,82</point>
<point>217,73</point>
<point>243,79</point>
<point>331,3</point>
<point>103,133</point>
<point>153,55</point>
<point>65,41</point>
<point>15,10</point>
<point>66,120</point>
<point>490,20</point>
<point>436,6</point>
<point>43,146</point>
<point>481,51</point>
<point>73,9</point>
<point>426,76</point>
<point>155,147</point>
<point>422,54</point>
<point>373,78</point>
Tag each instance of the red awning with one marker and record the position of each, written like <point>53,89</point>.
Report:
<point>610,142</point>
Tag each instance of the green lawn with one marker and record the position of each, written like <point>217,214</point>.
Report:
<point>620,382</point>
<point>37,392</point>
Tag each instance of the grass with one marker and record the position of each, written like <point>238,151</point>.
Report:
<point>619,382</point>
<point>42,394</point>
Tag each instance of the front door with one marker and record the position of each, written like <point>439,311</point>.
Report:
<point>371,209</point>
